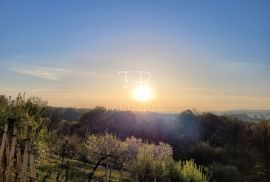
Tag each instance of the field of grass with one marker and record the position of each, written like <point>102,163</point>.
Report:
<point>77,171</point>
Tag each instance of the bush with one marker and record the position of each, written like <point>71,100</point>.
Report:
<point>188,171</point>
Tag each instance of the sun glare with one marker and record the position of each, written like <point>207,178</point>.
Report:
<point>142,93</point>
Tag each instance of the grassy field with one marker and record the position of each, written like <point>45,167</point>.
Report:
<point>78,171</point>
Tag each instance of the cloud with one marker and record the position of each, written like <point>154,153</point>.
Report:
<point>40,72</point>
<point>53,74</point>
<point>85,74</point>
<point>42,89</point>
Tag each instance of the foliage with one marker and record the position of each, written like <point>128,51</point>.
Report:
<point>103,146</point>
<point>139,157</point>
<point>188,171</point>
<point>152,159</point>
<point>26,113</point>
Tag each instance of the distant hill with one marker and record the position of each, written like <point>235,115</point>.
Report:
<point>73,114</point>
<point>246,115</point>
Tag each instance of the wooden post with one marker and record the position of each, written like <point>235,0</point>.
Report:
<point>6,163</point>
<point>11,155</point>
<point>2,150</point>
<point>25,162</point>
<point>10,152</point>
<point>13,143</point>
<point>26,155</point>
<point>19,161</point>
<point>10,170</point>
<point>3,144</point>
<point>33,174</point>
<point>7,151</point>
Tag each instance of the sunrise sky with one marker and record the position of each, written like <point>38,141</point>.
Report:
<point>208,55</point>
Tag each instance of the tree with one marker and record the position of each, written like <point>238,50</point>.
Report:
<point>162,159</point>
<point>100,148</point>
<point>148,160</point>
<point>260,143</point>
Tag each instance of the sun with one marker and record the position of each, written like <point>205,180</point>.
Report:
<point>142,93</point>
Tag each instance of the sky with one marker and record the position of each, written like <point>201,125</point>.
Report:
<point>204,55</point>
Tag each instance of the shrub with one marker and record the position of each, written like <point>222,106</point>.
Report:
<point>188,171</point>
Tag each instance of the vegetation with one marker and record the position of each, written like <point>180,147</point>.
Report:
<point>188,171</point>
<point>127,146</point>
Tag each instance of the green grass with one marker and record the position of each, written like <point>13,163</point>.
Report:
<point>78,171</point>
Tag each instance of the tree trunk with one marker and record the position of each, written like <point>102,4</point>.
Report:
<point>95,168</point>
<point>121,174</point>
<point>107,172</point>
<point>136,177</point>
<point>66,174</point>
<point>110,175</point>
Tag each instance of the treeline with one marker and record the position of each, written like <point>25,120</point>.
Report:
<point>232,149</point>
